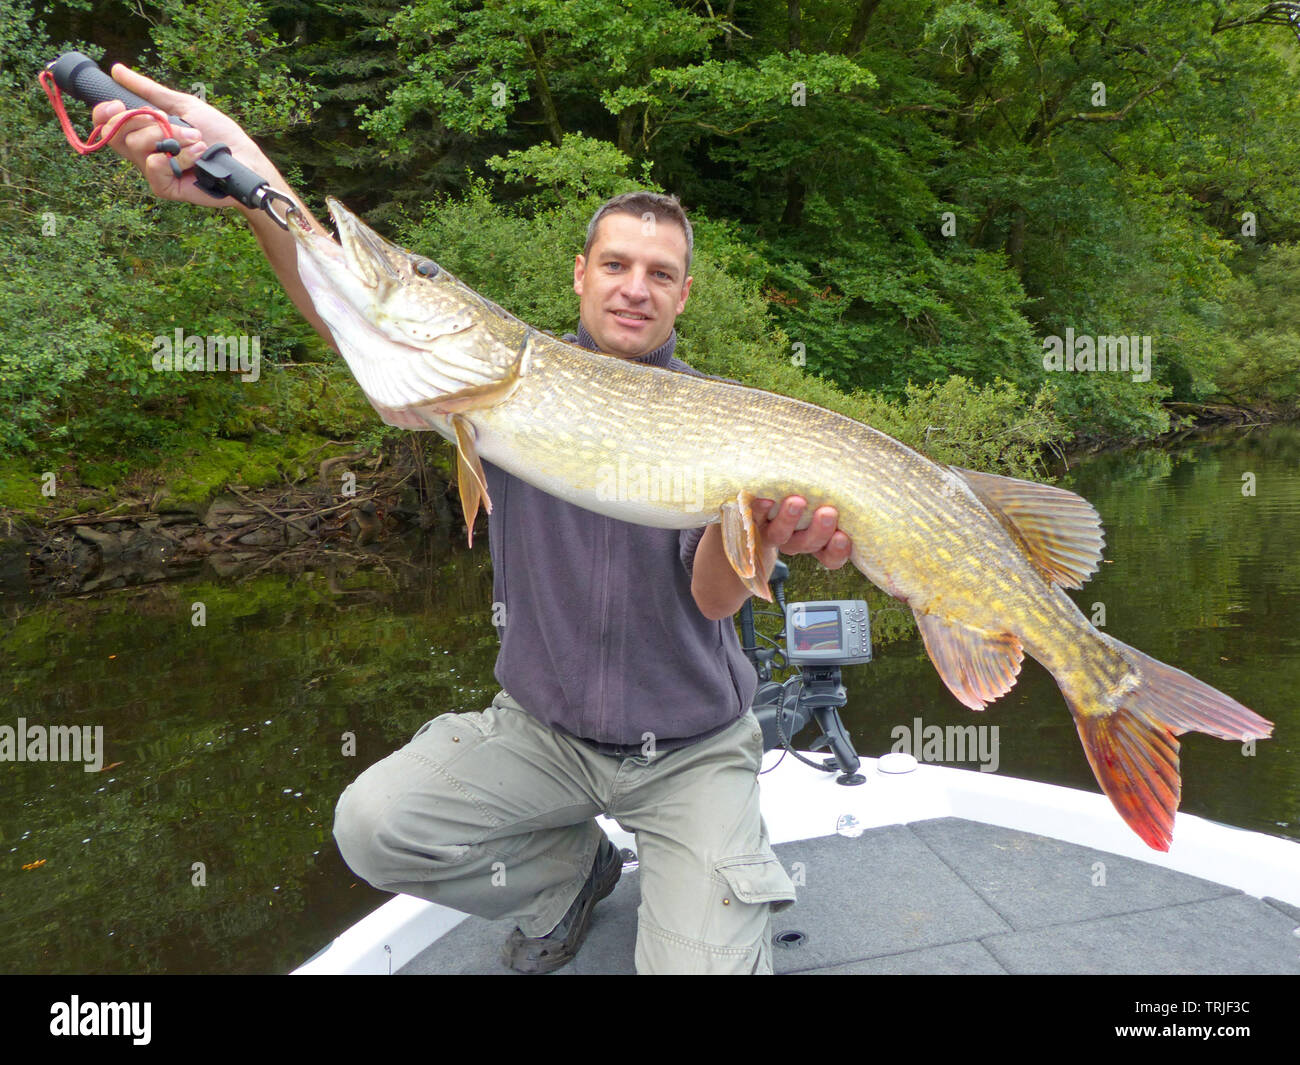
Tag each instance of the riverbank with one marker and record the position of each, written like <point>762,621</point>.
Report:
<point>329,502</point>
<point>306,503</point>
<point>1198,418</point>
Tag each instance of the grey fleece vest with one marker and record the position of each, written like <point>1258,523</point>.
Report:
<point>601,638</point>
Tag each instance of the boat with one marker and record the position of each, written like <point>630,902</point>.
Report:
<point>926,868</point>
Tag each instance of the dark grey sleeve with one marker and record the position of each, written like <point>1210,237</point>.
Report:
<point>689,542</point>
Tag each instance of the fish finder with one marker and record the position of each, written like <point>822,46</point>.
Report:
<point>834,632</point>
<point>817,638</point>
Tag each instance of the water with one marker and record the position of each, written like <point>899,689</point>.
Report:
<point>207,847</point>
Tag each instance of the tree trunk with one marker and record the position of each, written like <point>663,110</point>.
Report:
<point>1016,241</point>
<point>858,30</point>
<point>794,195</point>
<point>551,116</point>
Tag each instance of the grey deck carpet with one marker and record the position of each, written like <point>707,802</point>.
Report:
<point>954,896</point>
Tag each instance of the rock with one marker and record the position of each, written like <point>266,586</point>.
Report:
<point>109,544</point>
<point>225,565</point>
<point>98,584</point>
<point>14,567</point>
<point>227,511</point>
<point>263,537</point>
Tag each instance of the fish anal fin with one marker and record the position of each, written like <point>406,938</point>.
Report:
<point>977,666</point>
<point>471,482</point>
<point>1060,531</point>
<point>740,542</point>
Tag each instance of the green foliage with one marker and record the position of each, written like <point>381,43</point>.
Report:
<point>475,66</point>
<point>1259,331</point>
<point>579,167</point>
<point>96,273</point>
<point>995,427</point>
<point>905,192</point>
<point>225,47</point>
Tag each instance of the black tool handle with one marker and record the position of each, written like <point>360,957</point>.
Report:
<point>218,173</point>
<point>78,75</point>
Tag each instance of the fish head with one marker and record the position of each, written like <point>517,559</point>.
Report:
<point>411,332</point>
<point>406,297</point>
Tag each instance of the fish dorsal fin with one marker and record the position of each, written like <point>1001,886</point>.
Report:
<point>470,479</point>
<point>977,666</point>
<point>1060,531</point>
<point>740,542</point>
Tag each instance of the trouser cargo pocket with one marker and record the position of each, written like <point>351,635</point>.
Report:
<point>736,933</point>
<point>756,878</point>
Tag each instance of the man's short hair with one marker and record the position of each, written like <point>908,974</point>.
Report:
<point>639,204</point>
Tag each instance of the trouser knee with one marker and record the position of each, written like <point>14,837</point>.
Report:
<point>357,821</point>
<point>375,836</point>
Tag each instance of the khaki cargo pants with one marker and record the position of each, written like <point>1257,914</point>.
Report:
<point>492,813</point>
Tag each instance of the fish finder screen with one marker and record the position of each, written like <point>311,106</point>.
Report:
<point>816,630</point>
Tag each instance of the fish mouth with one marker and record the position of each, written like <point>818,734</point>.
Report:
<point>363,253</point>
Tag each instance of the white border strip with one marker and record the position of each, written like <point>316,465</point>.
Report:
<point>385,940</point>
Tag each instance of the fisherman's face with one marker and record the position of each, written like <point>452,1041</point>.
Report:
<point>633,284</point>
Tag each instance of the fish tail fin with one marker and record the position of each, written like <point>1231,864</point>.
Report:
<point>1129,735</point>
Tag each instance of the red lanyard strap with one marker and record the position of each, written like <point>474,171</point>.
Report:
<point>105,132</point>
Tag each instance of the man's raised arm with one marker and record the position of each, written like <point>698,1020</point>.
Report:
<point>137,138</point>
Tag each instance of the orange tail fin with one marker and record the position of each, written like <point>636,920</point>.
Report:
<point>1132,749</point>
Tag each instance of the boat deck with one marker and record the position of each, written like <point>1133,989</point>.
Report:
<point>948,895</point>
<point>932,869</point>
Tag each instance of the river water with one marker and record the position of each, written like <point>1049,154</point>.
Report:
<point>202,841</point>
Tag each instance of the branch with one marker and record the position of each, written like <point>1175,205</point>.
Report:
<point>1123,112</point>
<point>971,110</point>
<point>1281,14</point>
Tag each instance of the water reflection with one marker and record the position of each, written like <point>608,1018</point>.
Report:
<point>207,846</point>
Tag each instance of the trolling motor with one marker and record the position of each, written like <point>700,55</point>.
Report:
<point>217,171</point>
<point>817,639</point>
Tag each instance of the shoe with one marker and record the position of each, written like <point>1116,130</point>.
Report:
<point>558,947</point>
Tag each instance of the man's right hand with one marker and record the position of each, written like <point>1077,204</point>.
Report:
<point>135,141</point>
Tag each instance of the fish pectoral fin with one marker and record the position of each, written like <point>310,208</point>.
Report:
<point>740,542</point>
<point>475,397</point>
<point>977,666</point>
<point>1059,531</point>
<point>470,479</point>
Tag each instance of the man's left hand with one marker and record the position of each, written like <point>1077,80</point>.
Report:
<point>719,593</point>
<point>823,539</point>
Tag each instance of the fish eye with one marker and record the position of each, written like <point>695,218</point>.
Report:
<point>427,268</point>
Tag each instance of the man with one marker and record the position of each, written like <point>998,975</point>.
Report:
<point>625,691</point>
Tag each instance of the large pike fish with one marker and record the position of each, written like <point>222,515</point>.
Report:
<point>980,559</point>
